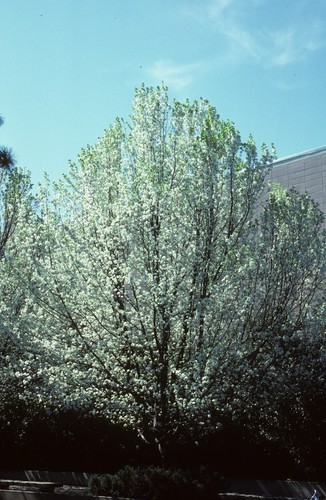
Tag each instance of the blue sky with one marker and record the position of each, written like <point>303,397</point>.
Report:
<point>69,67</point>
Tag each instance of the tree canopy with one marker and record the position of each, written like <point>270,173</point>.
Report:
<point>160,290</point>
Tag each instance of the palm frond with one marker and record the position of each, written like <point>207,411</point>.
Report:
<point>7,159</point>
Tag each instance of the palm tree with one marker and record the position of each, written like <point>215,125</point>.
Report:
<point>7,159</point>
<point>9,193</point>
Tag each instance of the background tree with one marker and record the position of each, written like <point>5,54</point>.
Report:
<point>14,185</point>
<point>7,160</point>
<point>15,370</point>
<point>278,385</point>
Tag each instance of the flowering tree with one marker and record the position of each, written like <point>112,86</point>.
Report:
<point>15,200</point>
<point>281,359</point>
<point>15,341</point>
<point>151,286</point>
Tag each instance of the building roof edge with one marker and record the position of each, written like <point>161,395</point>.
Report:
<point>299,156</point>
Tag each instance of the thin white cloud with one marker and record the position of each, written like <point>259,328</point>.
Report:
<point>294,44</point>
<point>267,46</point>
<point>239,42</point>
<point>176,76</point>
<point>283,50</point>
<point>216,8</point>
<point>285,86</point>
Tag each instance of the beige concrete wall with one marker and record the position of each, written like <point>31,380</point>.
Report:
<point>305,172</point>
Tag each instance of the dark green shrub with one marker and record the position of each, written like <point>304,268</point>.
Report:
<point>156,483</point>
<point>72,440</point>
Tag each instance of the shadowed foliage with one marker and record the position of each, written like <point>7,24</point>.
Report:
<point>7,159</point>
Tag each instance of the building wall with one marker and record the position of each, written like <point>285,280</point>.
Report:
<point>304,171</point>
